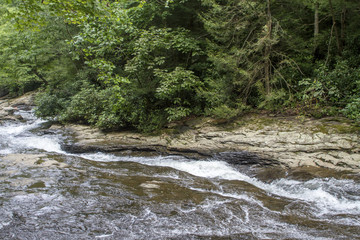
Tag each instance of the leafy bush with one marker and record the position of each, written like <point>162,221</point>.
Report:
<point>331,86</point>
<point>181,90</point>
<point>352,110</point>
<point>86,106</point>
<point>275,100</point>
<point>49,106</point>
<point>225,112</point>
<point>18,87</point>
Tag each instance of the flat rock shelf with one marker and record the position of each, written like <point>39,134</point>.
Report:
<point>289,142</point>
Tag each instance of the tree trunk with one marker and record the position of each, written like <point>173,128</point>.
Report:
<point>40,76</point>
<point>338,42</point>
<point>268,50</point>
<point>342,26</point>
<point>316,32</point>
<point>316,23</point>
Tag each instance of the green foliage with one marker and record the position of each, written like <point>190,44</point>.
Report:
<point>314,91</point>
<point>85,106</point>
<point>352,110</point>
<point>181,90</point>
<point>331,86</point>
<point>29,59</point>
<point>244,47</point>
<point>49,106</point>
<point>226,112</point>
<point>276,100</point>
<point>15,77</point>
<point>141,64</point>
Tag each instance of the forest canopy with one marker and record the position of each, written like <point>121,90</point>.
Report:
<point>144,63</point>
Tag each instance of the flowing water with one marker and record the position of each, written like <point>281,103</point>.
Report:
<point>46,193</point>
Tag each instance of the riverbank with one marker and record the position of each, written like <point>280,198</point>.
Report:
<point>253,139</point>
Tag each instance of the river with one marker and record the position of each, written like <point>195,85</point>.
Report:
<point>115,196</point>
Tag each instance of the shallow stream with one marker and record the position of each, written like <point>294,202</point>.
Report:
<point>46,193</point>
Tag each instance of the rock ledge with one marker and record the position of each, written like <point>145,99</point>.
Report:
<point>290,142</point>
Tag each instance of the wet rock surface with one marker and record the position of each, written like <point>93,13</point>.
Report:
<point>269,141</point>
<point>9,106</point>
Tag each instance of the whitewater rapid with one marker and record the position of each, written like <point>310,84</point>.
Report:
<point>231,202</point>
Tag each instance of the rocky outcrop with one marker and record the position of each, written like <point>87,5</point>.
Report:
<point>291,142</point>
<point>9,106</point>
<point>253,139</point>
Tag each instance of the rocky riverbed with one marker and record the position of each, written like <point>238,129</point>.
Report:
<point>253,139</point>
<point>76,182</point>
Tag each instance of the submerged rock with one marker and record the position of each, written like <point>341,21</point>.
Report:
<point>22,161</point>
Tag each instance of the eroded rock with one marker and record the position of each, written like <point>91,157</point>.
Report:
<point>288,142</point>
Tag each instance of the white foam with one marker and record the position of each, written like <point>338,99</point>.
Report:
<point>330,196</point>
<point>38,142</point>
<point>230,195</point>
<point>206,169</point>
<point>37,197</point>
<point>319,192</point>
<point>15,137</point>
<point>14,129</point>
<point>104,236</point>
